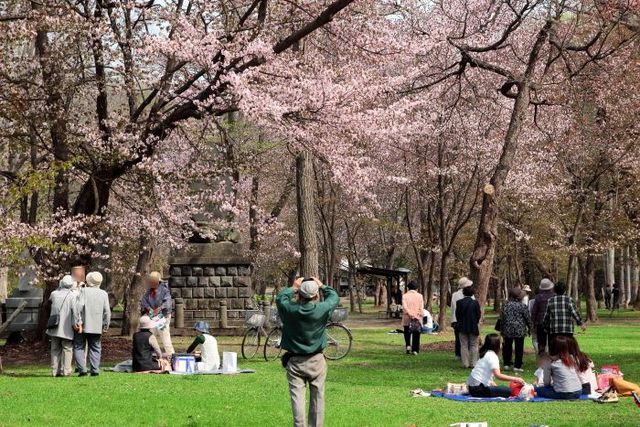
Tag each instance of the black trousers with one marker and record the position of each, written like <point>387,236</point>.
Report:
<point>412,339</point>
<point>543,339</point>
<point>457,345</point>
<point>507,351</point>
<point>493,391</point>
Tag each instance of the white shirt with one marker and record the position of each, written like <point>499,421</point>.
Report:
<point>539,374</point>
<point>209,354</point>
<point>483,371</point>
<point>429,322</point>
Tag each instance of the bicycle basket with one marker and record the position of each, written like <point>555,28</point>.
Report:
<point>254,318</point>
<point>340,314</point>
<point>275,318</point>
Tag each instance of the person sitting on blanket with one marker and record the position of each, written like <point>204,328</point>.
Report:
<point>562,370</point>
<point>209,359</point>
<point>541,360</point>
<point>146,355</point>
<point>481,381</point>
<point>429,326</point>
<point>585,367</point>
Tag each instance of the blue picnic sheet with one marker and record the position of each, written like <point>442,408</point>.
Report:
<point>460,398</point>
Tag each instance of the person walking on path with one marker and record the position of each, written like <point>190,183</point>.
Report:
<point>560,314</point>
<point>94,318</point>
<point>468,316</point>
<point>412,304</point>
<point>455,297</point>
<point>304,320</point>
<point>545,292</point>
<point>60,327</point>
<point>156,303</point>
<point>516,325</point>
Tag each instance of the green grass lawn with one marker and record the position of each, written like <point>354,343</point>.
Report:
<point>369,388</point>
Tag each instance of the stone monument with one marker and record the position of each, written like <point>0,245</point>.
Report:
<point>209,272</point>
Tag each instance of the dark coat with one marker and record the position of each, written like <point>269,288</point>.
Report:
<point>142,354</point>
<point>468,316</point>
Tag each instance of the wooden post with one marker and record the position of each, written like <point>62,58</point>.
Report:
<point>223,315</point>
<point>267,312</point>
<point>15,314</point>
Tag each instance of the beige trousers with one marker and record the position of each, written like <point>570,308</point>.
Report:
<point>468,350</point>
<point>61,356</point>
<point>300,371</point>
<point>164,336</point>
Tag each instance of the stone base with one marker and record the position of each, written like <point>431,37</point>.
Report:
<point>204,274</point>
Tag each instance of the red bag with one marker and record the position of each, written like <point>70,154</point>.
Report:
<point>515,388</point>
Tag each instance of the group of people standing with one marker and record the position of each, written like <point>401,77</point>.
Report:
<point>80,313</point>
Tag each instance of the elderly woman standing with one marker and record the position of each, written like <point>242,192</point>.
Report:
<point>63,319</point>
<point>95,316</point>
<point>412,305</point>
<point>516,325</point>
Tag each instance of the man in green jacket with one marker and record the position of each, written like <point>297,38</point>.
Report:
<point>304,321</point>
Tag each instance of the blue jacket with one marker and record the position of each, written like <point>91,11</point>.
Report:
<point>161,299</point>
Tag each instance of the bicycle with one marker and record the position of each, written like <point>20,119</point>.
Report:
<point>254,319</point>
<point>339,337</point>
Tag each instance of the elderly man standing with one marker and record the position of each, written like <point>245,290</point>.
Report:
<point>304,320</point>
<point>60,325</point>
<point>95,316</point>
<point>156,302</point>
<point>455,297</point>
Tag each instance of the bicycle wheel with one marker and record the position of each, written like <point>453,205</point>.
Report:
<point>272,347</point>
<point>251,343</point>
<point>339,340</point>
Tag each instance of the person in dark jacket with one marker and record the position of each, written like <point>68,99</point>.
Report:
<point>467,317</point>
<point>538,311</point>
<point>146,354</point>
<point>516,325</point>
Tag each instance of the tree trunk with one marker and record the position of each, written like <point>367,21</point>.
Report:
<point>627,277</point>
<point>481,262</point>
<point>588,272</point>
<point>444,289</point>
<point>611,266</point>
<point>134,291</point>
<point>635,274</point>
<point>308,240</point>
<point>432,273</point>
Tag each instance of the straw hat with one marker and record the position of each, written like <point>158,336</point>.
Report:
<point>464,283</point>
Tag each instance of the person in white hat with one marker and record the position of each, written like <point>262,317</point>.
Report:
<point>145,354</point>
<point>94,319</point>
<point>304,321</point>
<point>538,311</point>
<point>60,327</point>
<point>463,282</point>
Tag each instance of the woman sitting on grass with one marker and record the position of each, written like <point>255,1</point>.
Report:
<point>481,381</point>
<point>561,380</point>
<point>585,368</point>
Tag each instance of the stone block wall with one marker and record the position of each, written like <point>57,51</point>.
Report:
<point>201,288</point>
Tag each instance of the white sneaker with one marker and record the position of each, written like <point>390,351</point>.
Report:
<point>518,370</point>
<point>507,367</point>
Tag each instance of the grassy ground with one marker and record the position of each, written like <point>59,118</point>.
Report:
<point>369,388</point>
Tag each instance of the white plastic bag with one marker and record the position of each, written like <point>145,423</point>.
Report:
<point>229,362</point>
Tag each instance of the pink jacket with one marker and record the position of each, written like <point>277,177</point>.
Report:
<point>412,305</point>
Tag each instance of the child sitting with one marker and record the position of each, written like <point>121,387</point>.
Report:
<point>480,381</point>
<point>541,360</point>
<point>209,359</point>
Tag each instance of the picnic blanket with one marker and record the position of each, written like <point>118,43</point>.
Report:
<point>460,398</point>
<point>127,367</point>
